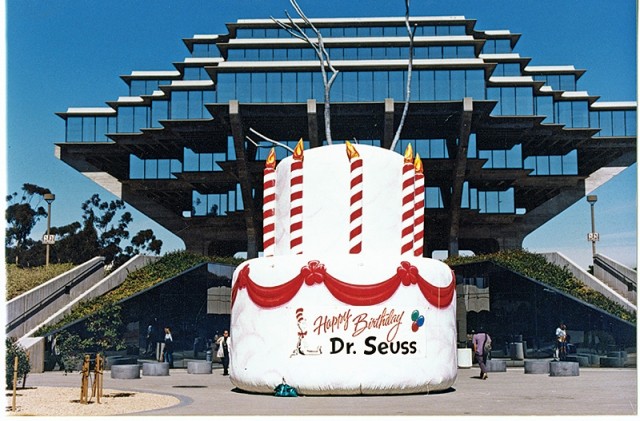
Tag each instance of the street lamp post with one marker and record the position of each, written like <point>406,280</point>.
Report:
<point>593,235</point>
<point>49,198</point>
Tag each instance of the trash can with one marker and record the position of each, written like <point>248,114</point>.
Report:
<point>516,351</point>
<point>209,356</point>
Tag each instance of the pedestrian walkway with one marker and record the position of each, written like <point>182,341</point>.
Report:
<point>596,391</point>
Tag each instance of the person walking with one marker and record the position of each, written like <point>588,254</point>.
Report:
<point>168,347</point>
<point>561,342</point>
<point>481,349</point>
<point>224,346</point>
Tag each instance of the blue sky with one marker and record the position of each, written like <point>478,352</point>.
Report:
<point>71,53</point>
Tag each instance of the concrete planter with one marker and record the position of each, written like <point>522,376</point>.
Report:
<point>495,366</point>
<point>563,368</point>
<point>199,367</point>
<point>155,369</point>
<point>125,371</point>
<point>536,367</point>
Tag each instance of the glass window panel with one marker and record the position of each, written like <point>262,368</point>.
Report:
<point>563,113</point>
<point>89,129</point>
<point>350,53</point>
<point>389,31</point>
<point>337,88</point>
<point>567,82</point>
<point>226,87</point>
<point>465,195</point>
<point>555,165</point>
<point>289,87</point>
<point>449,51</point>
<point>265,54</point>
<point>318,87</point>
<point>190,160</point>
<point>280,54</point>
<point>488,156</point>
<point>499,158</point>
<point>426,91</point>
<point>570,163</point>
<point>231,150</point>
<point>243,87</point>
<point>475,84</point>
<point>530,164</point>
<point>219,157</point>
<point>365,53</point>
<point>309,54</point>
<point>191,73</point>
<point>492,202</point>
<point>363,31</point>
<point>350,86</point>
<point>376,31</point>
<point>435,52</point>
<point>195,104</point>
<point>259,33</point>
<point>259,87</point>
<point>137,88</point>
<point>442,30</point>
<point>304,87</point>
<point>274,87</point>
<point>580,114</point>
<point>206,162</point>
<point>544,107</point>
<point>136,167</point>
<point>102,128</point>
<point>506,201</point>
<point>508,101</point>
<point>159,111</point>
<point>514,157</point>
<point>524,101</point>
<point>466,51</point>
<point>542,165</point>
<point>457,84</point>
<point>150,169</point>
<point>125,120</point>
<point>164,168</point>
<point>432,198</point>
<point>631,123</point>
<point>606,123</point>
<point>618,123</point>
<point>442,85</point>
<point>503,46</point>
<point>457,30</point>
<point>365,86</point>
<point>350,32</point>
<point>294,54</point>
<point>471,151</point>
<point>396,85</point>
<point>380,86</point>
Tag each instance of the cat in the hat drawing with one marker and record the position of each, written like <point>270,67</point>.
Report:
<point>301,346</point>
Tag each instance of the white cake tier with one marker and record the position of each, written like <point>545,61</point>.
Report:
<point>337,325</point>
<point>326,200</point>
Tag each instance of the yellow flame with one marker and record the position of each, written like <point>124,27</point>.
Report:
<point>298,151</point>
<point>408,154</point>
<point>417,164</point>
<point>271,159</point>
<point>351,151</point>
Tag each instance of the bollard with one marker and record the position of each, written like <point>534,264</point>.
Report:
<point>209,354</point>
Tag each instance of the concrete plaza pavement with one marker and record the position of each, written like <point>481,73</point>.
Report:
<point>595,391</point>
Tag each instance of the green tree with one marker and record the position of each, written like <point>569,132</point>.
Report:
<point>103,231</point>
<point>13,350</point>
<point>22,216</point>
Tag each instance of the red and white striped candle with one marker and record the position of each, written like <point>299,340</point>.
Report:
<point>418,220</point>
<point>408,208</point>
<point>296,200</point>
<point>269,205</point>
<point>355,208</point>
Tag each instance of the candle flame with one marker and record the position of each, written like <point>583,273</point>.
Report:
<point>418,164</point>
<point>271,159</point>
<point>351,151</point>
<point>408,154</point>
<point>298,151</point>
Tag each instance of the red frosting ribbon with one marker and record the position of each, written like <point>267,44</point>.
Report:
<point>357,295</point>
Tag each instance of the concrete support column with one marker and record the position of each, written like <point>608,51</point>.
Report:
<point>312,123</point>
<point>389,111</point>
<point>245,180</point>
<point>459,171</point>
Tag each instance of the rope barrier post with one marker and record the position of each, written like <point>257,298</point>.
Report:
<point>15,382</point>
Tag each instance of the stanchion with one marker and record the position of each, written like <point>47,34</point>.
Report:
<point>84,388</point>
<point>15,383</point>
<point>96,388</point>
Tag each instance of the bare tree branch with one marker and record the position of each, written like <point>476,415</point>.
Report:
<point>268,140</point>
<point>323,56</point>
<point>405,111</point>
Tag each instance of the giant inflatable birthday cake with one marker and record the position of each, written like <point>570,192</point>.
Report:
<point>342,301</point>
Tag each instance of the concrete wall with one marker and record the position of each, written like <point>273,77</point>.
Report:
<point>621,278</point>
<point>36,345</point>
<point>33,307</point>
<point>589,280</point>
